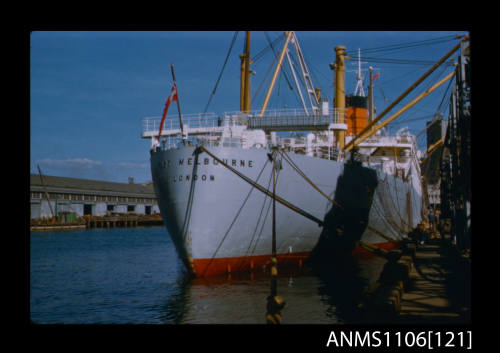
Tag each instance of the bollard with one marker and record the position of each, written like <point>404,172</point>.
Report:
<point>384,297</point>
<point>274,306</point>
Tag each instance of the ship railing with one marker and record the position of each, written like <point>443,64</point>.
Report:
<point>289,119</point>
<point>219,141</point>
<point>199,123</point>
<point>206,123</point>
<point>337,114</point>
<point>173,142</point>
<point>388,140</point>
<point>319,147</point>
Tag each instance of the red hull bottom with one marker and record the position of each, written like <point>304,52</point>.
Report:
<point>227,265</point>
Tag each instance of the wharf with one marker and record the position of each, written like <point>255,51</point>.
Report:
<point>439,287</point>
<point>87,222</point>
<point>434,287</point>
<point>123,221</point>
<point>52,227</point>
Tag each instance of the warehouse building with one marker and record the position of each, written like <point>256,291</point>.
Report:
<point>89,197</point>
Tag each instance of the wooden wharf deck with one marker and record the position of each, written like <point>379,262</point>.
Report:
<point>439,288</point>
<point>123,221</point>
<point>433,288</point>
<point>98,222</point>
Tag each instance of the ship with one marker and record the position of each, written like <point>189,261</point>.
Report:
<point>216,175</point>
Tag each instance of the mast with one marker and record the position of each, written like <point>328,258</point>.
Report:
<point>404,94</point>
<point>363,135</point>
<point>340,90</point>
<point>370,96</point>
<point>311,94</point>
<point>245,76</point>
<point>359,91</point>
<point>178,104</point>
<point>276,71</point>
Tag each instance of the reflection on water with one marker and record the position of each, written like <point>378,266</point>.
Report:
<point>312,295</point>
<point>134,276</point>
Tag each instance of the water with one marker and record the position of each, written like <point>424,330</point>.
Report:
<point>133,276</point>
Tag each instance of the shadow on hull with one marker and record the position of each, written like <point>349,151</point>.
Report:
<point>348,218</point>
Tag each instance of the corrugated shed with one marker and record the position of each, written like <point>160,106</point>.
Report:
<point>75,184</point>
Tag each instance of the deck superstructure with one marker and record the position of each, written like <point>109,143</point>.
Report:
<point>349,192</point>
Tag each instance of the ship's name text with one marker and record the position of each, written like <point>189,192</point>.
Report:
<point>194,177</point>
<point>206,161</point>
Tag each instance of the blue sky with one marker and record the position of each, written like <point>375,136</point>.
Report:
<point>90,90</point>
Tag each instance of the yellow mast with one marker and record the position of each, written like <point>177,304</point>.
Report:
<point>361,137</point>
<point>276,71</point>
<point>351,143</point>
<point>340,91</point>
<point>245,76</point>
<point>431,149</point>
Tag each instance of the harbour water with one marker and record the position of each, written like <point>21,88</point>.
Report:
<point>134,276</point>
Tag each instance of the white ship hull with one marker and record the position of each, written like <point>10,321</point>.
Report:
<point>220,223</point>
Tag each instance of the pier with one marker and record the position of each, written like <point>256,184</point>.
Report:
<point>430,282</point>
<point>87,222</point>
<point>425,284</point>
<point>439,287</point>
<point>124,221</point>
<point>51,196</point>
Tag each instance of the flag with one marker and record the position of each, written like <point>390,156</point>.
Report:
<point>172,97</point>
<point>376,76</point>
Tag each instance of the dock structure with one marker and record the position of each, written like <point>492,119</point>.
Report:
<point>87,222</point>
<point>430,284</point>
<point>439,290</point>
<point>456,192</point>
<point>124,221</point>
<point>84,197</point>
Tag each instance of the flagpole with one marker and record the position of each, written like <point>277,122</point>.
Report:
<point>178,104</point>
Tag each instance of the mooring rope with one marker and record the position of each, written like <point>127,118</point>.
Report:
<point>302,174</point>
<point>233,222</point>
<point>265,191</point>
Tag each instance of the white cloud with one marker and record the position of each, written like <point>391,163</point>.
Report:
<point>132,165</point>
<point>71,163</point>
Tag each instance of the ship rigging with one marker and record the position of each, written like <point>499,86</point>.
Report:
<point>363,188</point>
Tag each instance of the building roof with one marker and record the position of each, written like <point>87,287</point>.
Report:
<point>64,184</point>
